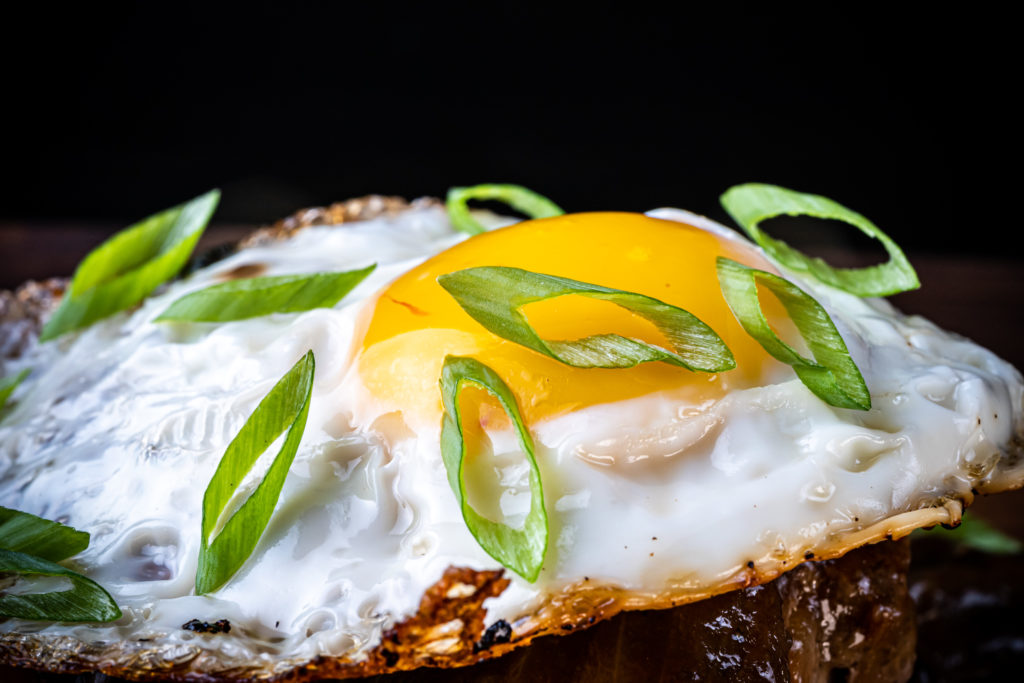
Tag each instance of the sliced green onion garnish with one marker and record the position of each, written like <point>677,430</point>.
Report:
<point>25,533</point>
<point>521,550</point>
<point>494,295</point>
<point>516,196</point>
<point>254,297</point>
<point>754,202</point>
<point>284,408</point>
<point>834,377</point>
<point>84,601</point>
<point>122,271</point>
<point>29,547</point>
<point>9,384</point>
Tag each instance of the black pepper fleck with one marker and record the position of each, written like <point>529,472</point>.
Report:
<point>498,632</point>
<point>750,564</point>
<point>219,626</point>
<point>808,555</point>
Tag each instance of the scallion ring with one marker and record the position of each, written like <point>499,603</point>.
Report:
<point>516,196</point>
<point>494,295</point>
<point>126,268</point>
<point>30,548</point>
<point>833,376</point>
<point>753,203</point>
<point>85,600</point>
<point>258,296</point>
<point>521,550</point>
<point>282,410</point>
<point>26,533</point>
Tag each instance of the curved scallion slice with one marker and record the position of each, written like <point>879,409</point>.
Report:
<point>494,295</point>
<point>9,384</point>
<point>754,202</point>
<point>84,601</point>
<point>29,547</point>
<point>521,550</point>
<point>122,271</point>
<point>25,533</point>
<point>258,296</point>
<point>832,375</point>
<point>516,196</point>
<point>284,408</point>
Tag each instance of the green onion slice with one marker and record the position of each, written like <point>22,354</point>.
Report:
<point>754,202</point>
<point>494,295</point>
<point>832,375</point>
<point>84,601</point>
<point>9,384</point>
<point>25,533</point>
<point>521,550</point>
<point>29,547</point>
<point>284,408</point>
<point>516,196</point>
<point>122,271</point>
<point>254,297</point>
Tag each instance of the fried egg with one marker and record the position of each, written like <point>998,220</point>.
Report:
<point>662,485</point>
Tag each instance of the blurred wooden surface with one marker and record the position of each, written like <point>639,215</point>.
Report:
<point>980,299</point>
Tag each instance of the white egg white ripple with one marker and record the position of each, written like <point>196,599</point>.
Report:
<point>119,428</point>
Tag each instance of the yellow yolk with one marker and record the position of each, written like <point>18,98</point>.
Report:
<point>414,323</point>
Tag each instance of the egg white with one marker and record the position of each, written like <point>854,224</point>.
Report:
<point>120,427</point>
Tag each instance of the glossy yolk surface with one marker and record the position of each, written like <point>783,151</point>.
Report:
<point>413,324</point>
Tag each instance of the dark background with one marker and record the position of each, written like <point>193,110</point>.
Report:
<point>113,111</point>
<point>117,110</point>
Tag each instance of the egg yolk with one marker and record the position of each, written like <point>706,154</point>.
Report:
<point>414,323</point>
